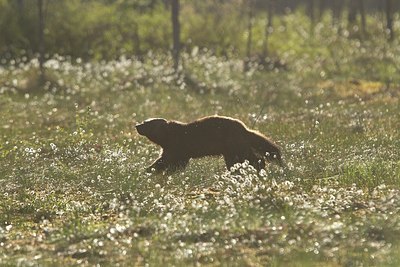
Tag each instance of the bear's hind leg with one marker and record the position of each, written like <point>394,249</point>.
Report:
<point>230,161</point>
<point>257,162</point>
<point>177,164</point>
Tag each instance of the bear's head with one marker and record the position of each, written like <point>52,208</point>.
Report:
<point>156,130</point>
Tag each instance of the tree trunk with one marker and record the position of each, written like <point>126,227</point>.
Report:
<point>363,21</point>
<point>268,29</point>
<point>352,17</point>
<point>311,13</point>
<point>389,19</point>
<point>41,40</point>
<point>249,36</point>
<point>20,6</point>
<point>136,41</point>
<point>337,13</point>
<point>21,15</point>
<point>321,9</point>
<point>175,33</point>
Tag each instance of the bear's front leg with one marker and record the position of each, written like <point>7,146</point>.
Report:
<point>168,162</point>
<point>158,166</point>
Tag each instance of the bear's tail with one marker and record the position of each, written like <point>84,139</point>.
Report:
<point>265,147</point>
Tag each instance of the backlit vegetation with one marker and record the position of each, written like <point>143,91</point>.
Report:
<point>73,188</point>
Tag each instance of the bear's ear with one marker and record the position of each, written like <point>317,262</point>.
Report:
<point>157,125</point>
<point>156,120</point>
<point>163,131</point>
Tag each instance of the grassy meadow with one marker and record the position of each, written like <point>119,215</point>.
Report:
<point>73,187</point>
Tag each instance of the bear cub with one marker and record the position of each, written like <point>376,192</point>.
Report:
<point>208,136</point>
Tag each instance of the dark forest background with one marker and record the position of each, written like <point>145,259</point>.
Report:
<point>107,29</point>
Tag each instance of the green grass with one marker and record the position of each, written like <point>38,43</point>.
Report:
<point>73,188</point>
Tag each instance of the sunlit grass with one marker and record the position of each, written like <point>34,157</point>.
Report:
<point>73,187</point>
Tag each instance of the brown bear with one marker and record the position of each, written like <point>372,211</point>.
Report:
<point>208,136</point>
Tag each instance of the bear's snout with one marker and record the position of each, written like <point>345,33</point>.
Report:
<point>139,128</point>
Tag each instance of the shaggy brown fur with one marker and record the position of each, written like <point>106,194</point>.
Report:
<point>209,136</point>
